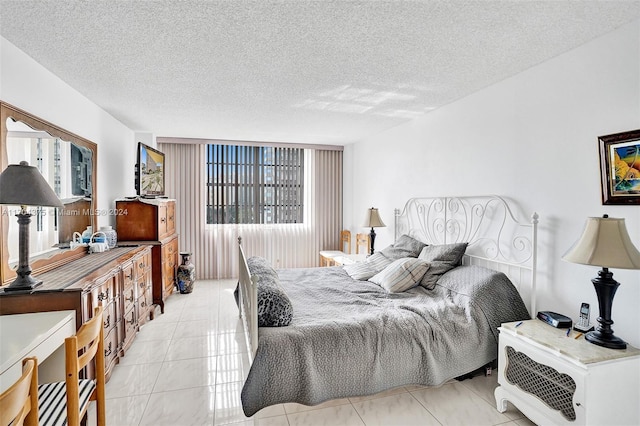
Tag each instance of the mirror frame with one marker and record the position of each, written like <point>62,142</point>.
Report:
<point>44,264</point>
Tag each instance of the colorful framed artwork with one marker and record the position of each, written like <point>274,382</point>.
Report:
<point>620,168</point>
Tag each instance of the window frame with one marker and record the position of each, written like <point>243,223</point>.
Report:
<point>277,172</point>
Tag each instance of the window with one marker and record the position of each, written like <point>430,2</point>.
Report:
<point>254,184</point>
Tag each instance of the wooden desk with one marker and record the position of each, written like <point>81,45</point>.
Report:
<point>39,334</point>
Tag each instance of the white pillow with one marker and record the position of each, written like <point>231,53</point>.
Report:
<point>401,275</point>
<point>364,270</point>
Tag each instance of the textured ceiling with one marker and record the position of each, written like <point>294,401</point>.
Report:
<point>301,71</point>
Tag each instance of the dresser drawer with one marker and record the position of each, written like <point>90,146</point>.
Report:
<point>129,297</point>
<point>109,317</point>
<point>104,293</point>
<point>171,218</point>
<point>130,328</point>
<point>143,264</point>
<point>170,251</point>
<point>110,349</point>
<point>128,274</point>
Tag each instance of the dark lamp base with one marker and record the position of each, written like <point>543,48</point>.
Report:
<point>25,284</point>
<point>611,342</point>
<point>605,287</point>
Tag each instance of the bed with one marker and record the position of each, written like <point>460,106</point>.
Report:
<point>350,337</point>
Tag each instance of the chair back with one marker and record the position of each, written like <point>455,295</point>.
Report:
<point>90,340</point>
<point>345,238</point>
<point>19,403</point>
<point>362,243</point>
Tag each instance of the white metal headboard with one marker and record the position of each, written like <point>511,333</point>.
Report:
<point>497,239</point>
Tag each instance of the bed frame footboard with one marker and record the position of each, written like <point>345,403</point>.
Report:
<point>248,302</point>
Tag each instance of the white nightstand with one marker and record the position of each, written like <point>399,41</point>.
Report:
<point>348,259</point>
<point>338,258</point>
<point>555,379</point>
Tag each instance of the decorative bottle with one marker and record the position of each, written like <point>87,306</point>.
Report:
<point>186,274</point>
<point>86,235</point>
<point>112,236</point>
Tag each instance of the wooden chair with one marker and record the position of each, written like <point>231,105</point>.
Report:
<point>19,403</point>
<point>326,256</point>
<point>345,238</point>
<point>66,403</point>
<point>362,240</point>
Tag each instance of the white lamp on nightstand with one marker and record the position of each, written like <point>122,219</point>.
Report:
<point>605,242</point>
<point>373,221</point>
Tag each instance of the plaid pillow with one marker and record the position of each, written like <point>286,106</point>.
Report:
<point>401,275</point>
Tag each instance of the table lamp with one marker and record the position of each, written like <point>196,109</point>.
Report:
<point>23,185</point>
<point>605,242</point>
<point>373,221</point>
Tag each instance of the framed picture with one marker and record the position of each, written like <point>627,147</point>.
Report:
<point>620,168</point>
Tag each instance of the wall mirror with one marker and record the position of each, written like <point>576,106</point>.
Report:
<point>68,163</point>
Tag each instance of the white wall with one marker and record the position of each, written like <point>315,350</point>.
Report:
<point>532,138</point>
<point>29,86</point>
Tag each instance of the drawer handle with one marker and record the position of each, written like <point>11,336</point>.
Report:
<point>133,319</point>
<point>107,323</point>
<point>103,296</point>
<point>129,299</point>
<point>130,276</point>
<point>171,218</point>
<point>143,304</point>
<point>163,219</point>
<point>141,265</point>
<point>108,351</point>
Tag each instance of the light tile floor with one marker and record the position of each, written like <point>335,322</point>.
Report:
<point>188,365</point>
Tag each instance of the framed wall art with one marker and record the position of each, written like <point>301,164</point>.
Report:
<point>620,168</point>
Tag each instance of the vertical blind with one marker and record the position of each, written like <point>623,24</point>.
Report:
<point>254,184</point>
<point>285,245</point>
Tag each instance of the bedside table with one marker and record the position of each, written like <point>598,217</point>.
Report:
<point>348,259</point>
<point>338,258</point>
<point>327,257</point>
<point>555,379</point>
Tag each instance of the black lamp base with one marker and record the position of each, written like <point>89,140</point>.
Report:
<point>372,239</point>
<point>605,287</point>
<point>25,283</point>
<point>611,342</point>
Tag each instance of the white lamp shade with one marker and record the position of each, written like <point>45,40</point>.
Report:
<point>605,242</point>
<point>373,219</point>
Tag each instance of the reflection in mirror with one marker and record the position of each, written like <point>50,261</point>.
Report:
<point>67,168</point>
<point>68,163</point>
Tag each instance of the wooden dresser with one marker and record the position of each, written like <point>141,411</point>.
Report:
<point>118,279</point>
<point>152,221</point>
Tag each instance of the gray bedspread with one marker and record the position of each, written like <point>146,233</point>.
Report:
<point>350,338</point>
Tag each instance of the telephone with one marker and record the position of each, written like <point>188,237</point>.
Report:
<point>583,320</point>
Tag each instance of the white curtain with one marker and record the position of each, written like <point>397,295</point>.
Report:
<point>214,247</point>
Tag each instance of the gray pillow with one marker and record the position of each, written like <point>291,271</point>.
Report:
<point>274,306</point>
<point>405,246</point>
<point>442,258</point>
<point>261,267</point>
